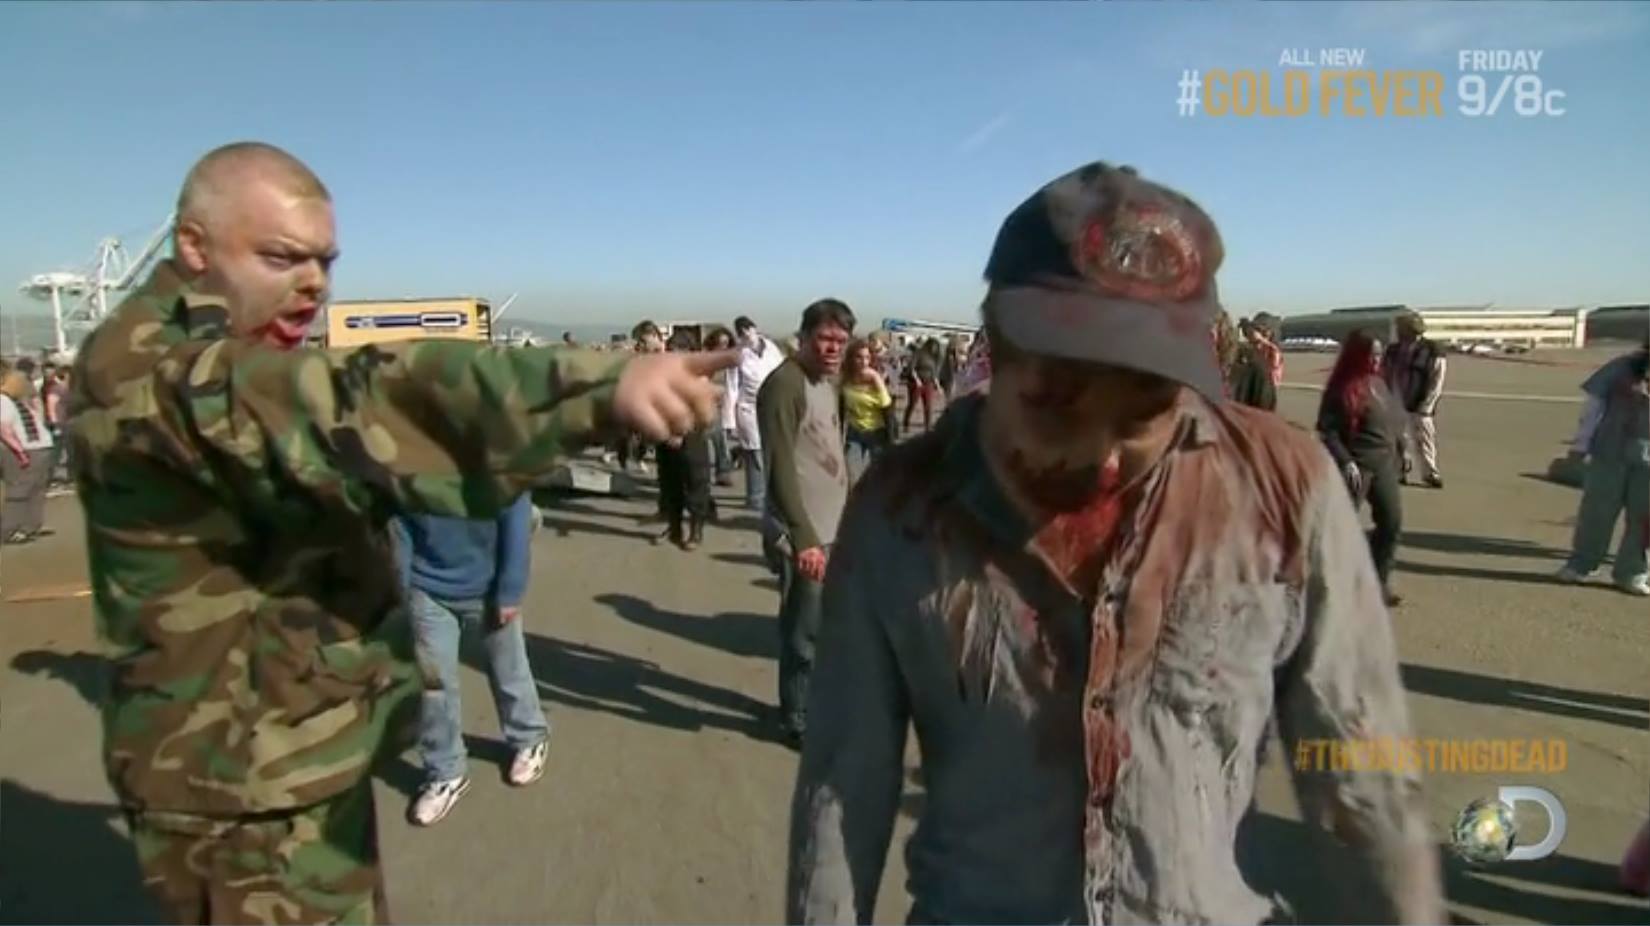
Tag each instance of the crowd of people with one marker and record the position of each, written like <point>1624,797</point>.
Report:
<point>33,457</point>
<point>1090,584</point>
<point>1375,419</point>
<point>928,376</point>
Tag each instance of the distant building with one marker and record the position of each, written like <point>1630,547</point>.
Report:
<point>1451,325</point>
<point>351,324</point>
<point>1619,323</point>
<point>905,331</point>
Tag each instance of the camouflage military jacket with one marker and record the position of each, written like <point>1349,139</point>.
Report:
<point>236,502</point>
<point>1088,753</point>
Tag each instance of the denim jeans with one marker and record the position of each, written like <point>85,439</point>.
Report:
<point>437,630</point>
<point>756,481</point>
<point>721,456</point>
<point>801,610</point>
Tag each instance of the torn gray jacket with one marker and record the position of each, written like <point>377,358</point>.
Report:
<point>1088,753</point>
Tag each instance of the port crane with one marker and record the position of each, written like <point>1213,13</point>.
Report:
<point>110,270</point>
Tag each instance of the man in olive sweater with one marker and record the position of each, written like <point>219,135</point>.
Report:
<point>797,412</point>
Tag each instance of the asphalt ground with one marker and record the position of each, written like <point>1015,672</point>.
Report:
<point>667,799</point>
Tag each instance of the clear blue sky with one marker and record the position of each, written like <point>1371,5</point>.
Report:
<point>615,161</point>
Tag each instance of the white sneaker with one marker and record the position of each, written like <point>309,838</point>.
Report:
<point>436,799</point>
<point>1638,585</point>
<point>1571,577</point>
<point>528,764</point>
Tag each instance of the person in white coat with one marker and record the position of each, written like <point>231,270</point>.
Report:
<point>759,356</point>
<point>725,438</point>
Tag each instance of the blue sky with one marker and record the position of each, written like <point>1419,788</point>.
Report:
<point>614,161</point>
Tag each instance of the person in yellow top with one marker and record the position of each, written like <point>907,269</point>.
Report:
<point>865,406</point>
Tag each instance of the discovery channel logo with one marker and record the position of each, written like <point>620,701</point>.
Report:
<point>1486,831</point>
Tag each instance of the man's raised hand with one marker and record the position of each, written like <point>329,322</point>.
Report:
<point>661,396</point>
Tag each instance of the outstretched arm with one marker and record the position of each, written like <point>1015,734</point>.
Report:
<point>444,427</point>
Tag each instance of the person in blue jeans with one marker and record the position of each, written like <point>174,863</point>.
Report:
<point>471,572</point>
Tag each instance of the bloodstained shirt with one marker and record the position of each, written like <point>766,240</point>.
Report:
<point>1089,749</point>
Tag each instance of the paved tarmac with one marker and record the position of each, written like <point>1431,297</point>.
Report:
<point>667,799</point>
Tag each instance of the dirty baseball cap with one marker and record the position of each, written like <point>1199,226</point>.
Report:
<point>1104,266</point>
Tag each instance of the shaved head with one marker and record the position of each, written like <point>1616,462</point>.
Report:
<point>215,178</point>
<point>255,227</point>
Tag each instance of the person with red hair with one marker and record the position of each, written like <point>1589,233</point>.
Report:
<point>1361,424</point>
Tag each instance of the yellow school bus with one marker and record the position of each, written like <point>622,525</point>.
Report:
<point>351,324</point>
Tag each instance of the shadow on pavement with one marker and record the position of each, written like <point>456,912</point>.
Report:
<point>754,635</point>
<point>564,527</point>
<point>1545,478</point>
<point>1490,546</point>
<point>405,775</point>
<point>1577,873</point>
<point>745,521</point>
<point>1490,575</point>
<point>1621,710</point>
<point>1280,857</point>
<point>1465,885</point>
<point>590,678</point>
<point>66,862</point>
<point>577,507</point>
<point>87,673</point>
<point>742,559</point>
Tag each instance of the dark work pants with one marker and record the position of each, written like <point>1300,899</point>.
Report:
<point>919,395</point>
<point>684,480</point>
<point>1612,488</point>
<point>1386,504</point>
<point>801,607</point>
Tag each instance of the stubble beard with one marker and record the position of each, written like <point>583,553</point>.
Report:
<point>1051,477</point>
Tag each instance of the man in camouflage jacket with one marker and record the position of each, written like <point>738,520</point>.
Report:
<point>237,490</point>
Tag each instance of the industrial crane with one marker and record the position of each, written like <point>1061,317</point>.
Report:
<point>109,271</point>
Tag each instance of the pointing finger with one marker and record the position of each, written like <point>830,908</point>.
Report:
<point>675,413</point>
<point>705,363</point>
<point>649,425</point>
<point>707,403</point>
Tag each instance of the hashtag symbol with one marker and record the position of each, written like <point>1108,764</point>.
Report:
<point>1303,756</point>
<point>1190,84</point>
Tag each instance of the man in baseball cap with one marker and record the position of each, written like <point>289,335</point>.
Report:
<point>1090,590</point>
